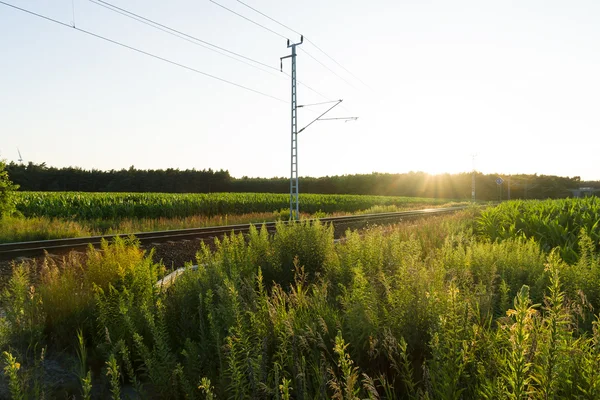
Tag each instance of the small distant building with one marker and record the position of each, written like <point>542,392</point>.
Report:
<point>584,191</point>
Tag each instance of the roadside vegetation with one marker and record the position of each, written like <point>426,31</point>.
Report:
<point>437,309</point>
<point>7,193</point>
<point>48,215</point>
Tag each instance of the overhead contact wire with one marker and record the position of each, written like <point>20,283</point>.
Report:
<point>150,22</point>
<point>333,59</point>
<point>182,36</point>
<point>307,39</point>
<point>274,32</point>
<point>272,19</point>
<point>249,20</point>
<point>144,52</point>
<point>326,67</point>
<point>192,39</point>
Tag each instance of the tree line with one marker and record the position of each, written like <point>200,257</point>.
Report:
<point>40,177</point>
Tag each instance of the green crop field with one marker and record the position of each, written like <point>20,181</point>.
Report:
<point>441,308</point>
<point>553,223</point>
<point>85,206</point>
<point>54,215</point>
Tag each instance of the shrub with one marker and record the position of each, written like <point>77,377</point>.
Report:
<point>7,189</point>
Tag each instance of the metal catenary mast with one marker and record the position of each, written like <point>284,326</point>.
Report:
<point>294,205</point>
<point>294,188</point>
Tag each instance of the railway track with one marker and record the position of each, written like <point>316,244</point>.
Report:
<point>10,251</point>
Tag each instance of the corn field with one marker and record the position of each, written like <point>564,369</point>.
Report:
<point>552,223</point>
<point>89,206</point>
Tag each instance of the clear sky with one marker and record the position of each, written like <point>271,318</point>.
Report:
<point>516,82</point>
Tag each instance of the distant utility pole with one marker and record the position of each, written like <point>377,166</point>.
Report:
<point>294,205</point>
<point>473,179</point>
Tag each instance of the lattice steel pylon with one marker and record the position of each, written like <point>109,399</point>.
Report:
<point>294,189</point>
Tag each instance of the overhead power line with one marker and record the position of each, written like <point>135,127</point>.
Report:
<point>144,52</point>
<point>175,32</point>
<point>280,35</point>
<point>308,87</point>
<point>272,19</point>
<point>325,66</point>
<point>193,39</point>
<point>307,39</point>
<point>340,65</point>
<point>249,20</point>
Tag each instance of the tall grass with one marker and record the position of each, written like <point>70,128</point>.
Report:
<point>430,311</point>
<point>19,229</point>
<point>22,229</point>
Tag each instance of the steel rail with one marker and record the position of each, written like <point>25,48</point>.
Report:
<point>34,248</point>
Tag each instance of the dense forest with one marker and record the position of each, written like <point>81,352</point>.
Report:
<point>40,177</point>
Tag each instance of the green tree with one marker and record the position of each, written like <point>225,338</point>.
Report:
<point>7,202</point>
